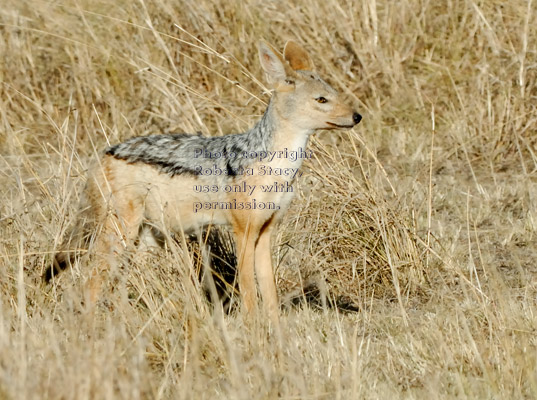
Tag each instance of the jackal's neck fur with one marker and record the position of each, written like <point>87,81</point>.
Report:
<point>272,133</point>
<point>260,138</point>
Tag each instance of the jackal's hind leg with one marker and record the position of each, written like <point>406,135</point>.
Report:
<point>117,232</point>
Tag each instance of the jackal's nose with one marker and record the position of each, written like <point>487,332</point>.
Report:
<point>356,118</point>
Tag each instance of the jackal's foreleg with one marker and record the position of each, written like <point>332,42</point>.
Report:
<point>265,273</point>
<point>245,237</point>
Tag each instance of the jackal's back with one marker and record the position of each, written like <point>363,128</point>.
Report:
<point>180,153</point>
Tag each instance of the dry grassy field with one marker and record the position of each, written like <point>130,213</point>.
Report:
<point>422,219</point>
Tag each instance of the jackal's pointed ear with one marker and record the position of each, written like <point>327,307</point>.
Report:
<point>297,57</point>
<point>273,63</point>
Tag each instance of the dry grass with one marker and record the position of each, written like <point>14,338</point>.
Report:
<point>423,216</point>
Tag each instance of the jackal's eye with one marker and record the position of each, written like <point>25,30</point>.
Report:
<point>321,100</point>
<point>289,82</point>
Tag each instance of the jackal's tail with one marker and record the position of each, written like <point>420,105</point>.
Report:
<point>76,241</point>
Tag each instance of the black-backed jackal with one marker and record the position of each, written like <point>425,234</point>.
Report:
<point>182,183</point>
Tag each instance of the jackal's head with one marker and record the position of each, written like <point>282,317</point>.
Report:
<point>301,97</point>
